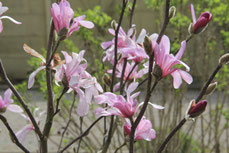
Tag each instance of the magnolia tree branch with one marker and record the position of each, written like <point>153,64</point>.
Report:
<point>12,134</point>
<point>182,122</point>
<point>108,141</point>
<point>85,133</point>
<point>149,89</point>
<point>122,76</point>
<point>50,102</point>
<point>68,123</point>
<point>21,101</point>
<point>132,13</point>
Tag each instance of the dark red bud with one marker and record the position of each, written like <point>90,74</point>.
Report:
<point>197,109</point>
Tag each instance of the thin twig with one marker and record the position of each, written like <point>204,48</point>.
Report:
<point>54,50</point>
<point>171,135</point>
<point>120,147</point>
<point>81,131</point>
<point>202,92</point>
<point>12,134</point>
<point>130,74</point>
<point>58,100</point>
<point>22,102</point>
<point>82,135</point>
<point>132,13</point>
<point>122,76</point>
<point>69,121</point>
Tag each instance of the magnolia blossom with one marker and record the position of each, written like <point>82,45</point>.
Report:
<point>118,105</point>
<point>201,23</point>
<point>77,78</point>
<point>167,61</point>
<point>6,103</point>
<point>127,46</point>
<point>62,15</point>
<point>21,134</point>
<point>3,9</point>
<point>143,131</point>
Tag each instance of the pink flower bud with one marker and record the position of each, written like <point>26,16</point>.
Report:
<point>201,23</point>
<point>197,109</point>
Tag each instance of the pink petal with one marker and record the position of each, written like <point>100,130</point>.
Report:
<point>166,43</point>
<point>68,58</point>
<point>193,13</point>
<point>7,96</point>
<point>181,50</point>
<point>21,135</point>
<point>83,107</point>
<point>186,76</point>
<point>32,76</point>
<point>3,9</point>
<point>177,81</point>
<point>107,44</point>
<point>11,19</point>
<point>15,108</point>
<point>156,106</point>
<point>87,24</point>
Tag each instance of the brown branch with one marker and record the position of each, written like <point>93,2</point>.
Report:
<point>85,133</point>
<point>50,102</point>
<point>107,143</point>
<point>132,13</point>
<point>122,76</point>
<point>69,121</point>
<point>58,100</point>
<point>21,101</point>
<point>12,134</point>
<point>182,122</point>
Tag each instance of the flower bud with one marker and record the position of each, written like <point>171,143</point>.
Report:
<point>107,79</point>
<point>172,12</point>
<point>114,24</point>
<point>148,45</point>
<point>157,72</point>
<point>65,81</point>
<point>196,109</point>
<point>2,110</point>
<point>211,88</point>
<point>224,59</point>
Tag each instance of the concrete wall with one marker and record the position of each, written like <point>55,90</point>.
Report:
<point>35,16</point>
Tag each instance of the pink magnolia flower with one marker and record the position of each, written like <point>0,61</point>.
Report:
<point>118,105</point>
<point>167,61</point>
<point>62,15</point>
<point>3,9</point>
<point>6,103</point>
<point>201,23</point>
<point>78,79</point>
<point>143,131</point>
<point>127,46</point>
<point>22,134</point>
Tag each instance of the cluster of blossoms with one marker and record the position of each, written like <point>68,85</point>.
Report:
<point>71,72</point>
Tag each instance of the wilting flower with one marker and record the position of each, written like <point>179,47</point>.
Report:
<point>201,23</point>
<point>3,9</point>
<point>143,131</point>
<point>118,105</point>
<point>62,15</point>
<point>6,103</point>
<point>77,78</point>
<point>195,110</point>
<point>127,46</point>
<point>167,61</point>
<point>54,63</point>
<point>21,134</point>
